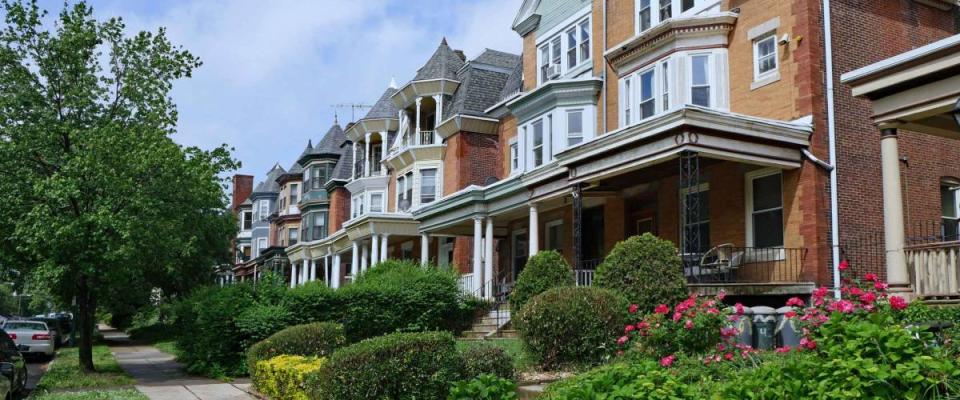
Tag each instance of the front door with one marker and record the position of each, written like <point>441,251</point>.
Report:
<point>592,237</point>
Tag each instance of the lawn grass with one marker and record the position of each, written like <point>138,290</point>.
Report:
<point>123,394</point>
<point>64,371</point>
<point>169,347</point>
<point>521,360</point>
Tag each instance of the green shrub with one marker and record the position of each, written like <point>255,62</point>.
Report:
<point>395,366</point>
<point>543,271</point>
<point>260,321</point>
<point>403,296</point>
<point>208,336</point>
<point>572,325</point>
<point>484,387</point>
<point>646,270</point>
<point>640,380</point>
<point>487,359</point>
<point>282,377</point>
<point>314,340</point>
<point>313,302</point>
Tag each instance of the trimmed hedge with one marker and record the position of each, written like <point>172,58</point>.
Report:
<point>282,377</point>
<point>543,271</point>
<point>313,302</point>
<point>576,326</point>
<point>646,270</point>
<point>395,366</point>
<point>314,340</point>
<point>487,359</point>
<point>262,320</point>
<point>207,332</point>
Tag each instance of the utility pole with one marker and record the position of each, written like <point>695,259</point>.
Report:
<point>353,109</point>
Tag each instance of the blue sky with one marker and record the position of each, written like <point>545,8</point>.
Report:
<point>273,68</point>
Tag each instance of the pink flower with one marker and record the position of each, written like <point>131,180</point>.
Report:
<point>622,340</point>
<point>713,311</point>
<point>739,308</point>
<point>667,361</point>
<point>643,325</point>
<point>790,314</point>
<point>728,356</point>
<point>633,308</point>
<point>843,265</point>
<point>784,349</point>
<point>721,347</point>
<point>728,332</point>
<point>721,295</point>
<point>688,325</point>
<point>870,277</point>
<point>880,286</point>
<point>868,298</point>
<point>795,302</point>
<point>808,344</point>
<point>898,303</point>
<point>662,309</point>
<point>677,316</point>
<point>843,306</point>
<point>821,292</point>
<point>629,328</point>
<point>855,291</point>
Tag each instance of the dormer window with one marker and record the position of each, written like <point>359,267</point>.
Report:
<point>566,50</point>
<point>318,176</point>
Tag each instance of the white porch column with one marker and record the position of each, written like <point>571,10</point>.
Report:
<point>366,155</point>
<point>488,260</point>
<point>353,169</point>
<point>355,261</point>
<point>424,248</point>
<point>534,231</point>
<point>313,271</point>
<point>374,249</point>
<point>383,248</point>
<point>293,274</point>
<point>326,270</point>
<point>417,130</point>
<point>438,117</point>
<point>364,257</point>
<point>304,271</point>
<point>383,151</point>
<point>893,230</point>
<point>477,253</point>
<point>336,270</point>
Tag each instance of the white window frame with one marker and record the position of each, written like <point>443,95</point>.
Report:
<point>290,231</point>
<point>514,155</point>
<point>373,202</point>
<point>749,177</point>
<point>569,133</point>
<point>949,185</point>
<point>548,45</point>
<point>294,193</point>
<point>654,92</point>
<point>710,75</point>
<point>627,110</point>
<point>757,58</point>
<point>534,147</point>
<point>261,245</point>
<point>656,11</point>
<point>664,93</point>
<point>263,209</point>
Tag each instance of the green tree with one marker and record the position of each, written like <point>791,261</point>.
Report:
<point>98,202</point>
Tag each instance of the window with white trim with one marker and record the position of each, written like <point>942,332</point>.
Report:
<point>294,193</point>
<point>537,143</point>
<point>376,202</point>
<point>574,127</point>
<point>408,191</point>
<point>428,185</point>
<point>765,57</point>
<point>950,210</point>
<point>264,210</point>
<point>319,225</point>
<point>261,246</point>
<point>765,208</point>
<point>401,182</point>
<point>665,85</point>
<point>514,155</point>
<point>246,220</point>
<point>651,13</point>
<point>647,104</point>
<point>627,101</point>
<point>567,50</point>
<point>700,81</point>
<point>293,235</point>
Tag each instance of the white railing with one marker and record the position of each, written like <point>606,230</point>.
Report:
<point>584,276</point>
<point>466,283</point>
<point>935,268</point>
<point>426,138</point>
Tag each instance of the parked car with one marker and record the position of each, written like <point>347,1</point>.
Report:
<point>60,335</point>
<point>12,367</point>
<point>31,337</point>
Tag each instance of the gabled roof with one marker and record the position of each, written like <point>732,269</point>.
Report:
<point>514,82</point>
<point>384,107</point>
<point>269,185</point>
<point>497,58</point>
<point>443,64</point>
<point>481,83</point>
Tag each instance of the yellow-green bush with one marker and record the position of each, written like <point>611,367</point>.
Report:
<point>282,377</point>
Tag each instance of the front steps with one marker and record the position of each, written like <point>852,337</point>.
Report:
<point>494,324</point>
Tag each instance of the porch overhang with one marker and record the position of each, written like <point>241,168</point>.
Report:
<point>710,133</point>
<point>467,123</point>
<point>359,130</point>
<point>408,155</point>
<point>449,214</point>
<point>359,185</point>
<point>917,90</point>
<point>391,224</point>
<point>565,92</point>
<point>404,97</point>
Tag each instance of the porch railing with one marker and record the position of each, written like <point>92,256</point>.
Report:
<point>730,264</point>
<point>358,167</point>
<point>426,138</point>
<point>935,268</point>
<point>466,283</point>
<point>584,276</point>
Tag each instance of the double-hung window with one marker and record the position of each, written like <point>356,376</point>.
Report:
<point>650,13</point>
<point>264,209</point>
<point>764,57</point>
<point>261,246</point>
<point>408,191</point>
<point>572,46</point>
<point>428,185</point>
<point>627,101</point>
<point>246,220</point>
<point>648,105</point>
<point>765,200</point>
<point>584,41</point>
<point>645,16</point>
<point>294,193</point>
<point>574,127</point>
<point>555,51</point>
<point>376,202</point>
<point>666,9</point>
<point>401,182</point>
<point>538,143</point>
<point>294,235</point>
<point>700,80</point>
<point>545,63</point>
<point>950,210</point>
<point>568,49</point>
<point>514,156</point>
<point>320,225</point>
<point>665,85</point>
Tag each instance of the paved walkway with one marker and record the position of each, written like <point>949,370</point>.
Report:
<point>160,377</point>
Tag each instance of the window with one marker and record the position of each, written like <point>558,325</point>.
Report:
<point>687,4</point>
<point>293,234</point>
<point>765,205</point>
<point>555,51</point>
<point>627,100</point>
<point>545,63</point>
<point>428,185</point>
<point>646,20</point>
<point>665,85</point>
<point>264,210</point>
<point>537,143</point>
<point>700,80</point>
<point>651,13</point>
<point>665,9</point>
<point>319,225</point>
<point>514,156</point>
<point>648,106</point>
<point>572,46</point>
<point>950,207</point>
<point>764,57</point>
<point>318,176</point>
<point>261,246</point>
<point>376,202</point>
<point>555,236</point>
<point>246,220</point>
<point>569,49</point>
<point>245,250</point>
<point>574,127</point>
<point>294,193</point>
<point>584,40</point>
<point>401,181</point>
<point>407,192</point>
<point>697,222</point>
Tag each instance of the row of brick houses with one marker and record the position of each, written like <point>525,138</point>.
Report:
<point>720,125</point>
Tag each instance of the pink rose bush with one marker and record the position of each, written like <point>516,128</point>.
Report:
<point>694,325</point>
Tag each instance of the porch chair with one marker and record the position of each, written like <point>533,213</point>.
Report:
<point>721,260</point>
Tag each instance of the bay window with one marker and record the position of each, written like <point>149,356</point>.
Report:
<point>537,143</point>
<point>428,185</point>
<point>264,210</point>
<point>765,208</point>
<point>319,225</point>
<point>376,202</point>
<point>566,50</point>
<point>700,80</point>
<point>647,106</point>
<point>574,127</point>
<point>650,13</point>
<point>408,191</point>
<point>401,181</point>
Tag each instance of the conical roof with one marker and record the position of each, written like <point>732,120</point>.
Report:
<point>331,141</point>
<point>383,108</point>
<point>294,169</point>
<point>269,185</point>
<point>443,64</point>
<point>307,151</point>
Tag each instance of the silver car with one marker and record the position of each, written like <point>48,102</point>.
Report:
<point>31,337</point>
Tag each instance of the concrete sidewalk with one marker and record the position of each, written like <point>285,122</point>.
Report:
<point>160,377</point>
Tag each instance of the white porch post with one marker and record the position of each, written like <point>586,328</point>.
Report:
<point>336,270</point>
<point>364,257</point>
<point>488,260</point>
<point>534,231</point>
<point>383,151</point>
<point>374,249</point>
<point>438,99</point>
<point>366,155</point>
<point>477,253</point>
<point>304,271</point>
<point>417,130</point>
<point>313,270</point>
<point>353,169</point>
<point>383,248</point>
<point>355,261</point>
<point>293,274</point>
<point>424,248</point>
<point>893,231</point>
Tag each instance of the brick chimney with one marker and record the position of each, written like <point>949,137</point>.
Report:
<point>242,187</point>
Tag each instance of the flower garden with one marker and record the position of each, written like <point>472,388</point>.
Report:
<point>634,335</point>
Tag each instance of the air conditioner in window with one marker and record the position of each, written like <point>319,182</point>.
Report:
<point>553,71</point>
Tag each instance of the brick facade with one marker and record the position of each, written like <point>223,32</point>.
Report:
<point>242,187</point>
<point>339,209</point>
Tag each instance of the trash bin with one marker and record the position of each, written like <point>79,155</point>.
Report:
<point>786,331</point>
<point>744,326</point>
<point>764,326</point>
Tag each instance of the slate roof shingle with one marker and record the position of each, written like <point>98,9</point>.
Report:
<point>269,185</point>
<point>332,141</point>
<point>384,107</point>
<point>443,64</point>
<point>481,86</point>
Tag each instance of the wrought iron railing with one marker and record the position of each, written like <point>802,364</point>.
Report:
<point>868,253</point>
<point>730,264</point>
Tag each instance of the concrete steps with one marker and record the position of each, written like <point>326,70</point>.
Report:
<point>490,325</point>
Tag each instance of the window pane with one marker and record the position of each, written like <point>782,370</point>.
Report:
<point>537,133</point>
<point>575,122</point>
<point>665,9</point>
<point>555,50</point>
<point>376,202</point>
<point>948,202</point>
<point>644,15</point>
<point>700,96</point>
<point>768,228</point>
<point>428,185</point>
<point>646,85</point>
<point>665,85</point>
<point>767,192</point>
<point>572,47</point>
<point>584,40</point>
<point>700,69</point>
<point>686,4</point>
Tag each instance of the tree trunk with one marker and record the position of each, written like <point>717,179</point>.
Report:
<point>86,308</point>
